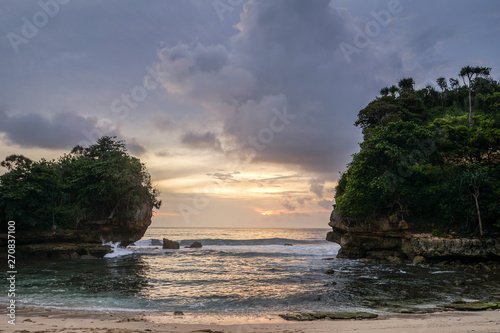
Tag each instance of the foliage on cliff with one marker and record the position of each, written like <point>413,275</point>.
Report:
<point>431,157</point>
<point>95,183</point>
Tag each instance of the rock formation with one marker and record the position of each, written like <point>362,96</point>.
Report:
<point>171,245</point>
<point>391,239</point>
<point>195,245</point>
<point>115,230</point>
<point>85,241</point>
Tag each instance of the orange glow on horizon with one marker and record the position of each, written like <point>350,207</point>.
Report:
<point>156,213</point>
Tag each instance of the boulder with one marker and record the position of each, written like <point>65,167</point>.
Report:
<point>194,245</point>
<point>171,245</point>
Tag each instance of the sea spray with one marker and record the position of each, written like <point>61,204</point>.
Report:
<point>117,250</point>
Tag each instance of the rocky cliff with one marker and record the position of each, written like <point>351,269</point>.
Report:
<point>392,239</point>
<point>85,241</point>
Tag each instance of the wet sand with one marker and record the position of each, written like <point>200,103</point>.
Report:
<point>40,319</point>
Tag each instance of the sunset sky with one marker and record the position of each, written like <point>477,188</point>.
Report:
<point>243,111</point>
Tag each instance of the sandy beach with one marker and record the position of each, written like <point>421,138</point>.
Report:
<point>39,319</point>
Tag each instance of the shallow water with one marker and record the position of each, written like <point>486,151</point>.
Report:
<point>242,270</point>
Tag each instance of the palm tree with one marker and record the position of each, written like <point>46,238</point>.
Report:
<point>471,73</point>
<point>454,84</point>
<point>441,82</point>
<point>393,90</point>
<point>384,91</point>
<point>406,85</point>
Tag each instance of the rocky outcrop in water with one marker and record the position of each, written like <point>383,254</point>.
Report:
<point>170,245</point>
<point>64,250</point>
<point>392,239</point>
<point>85,241</point>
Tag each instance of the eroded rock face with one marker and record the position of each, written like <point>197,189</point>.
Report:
<point>442,248</point>
<point>368,240</point>
<point>115,230</point>
<point>86,240</point>
<point>391,239</point>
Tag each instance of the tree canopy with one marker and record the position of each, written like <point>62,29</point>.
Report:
<point>98,182</point>
<point>432,158</point>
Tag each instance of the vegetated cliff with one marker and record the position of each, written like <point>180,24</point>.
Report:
<point>429,165</point>
<point>69,207</point>
<point>391,239</point>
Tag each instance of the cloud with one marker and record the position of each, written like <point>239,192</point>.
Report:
<point>163,122</point>
<point>283,59</point>
<point>60,130</point>
<point>317,189</point>
<point>163,153</point>
<point>326,204</point>
<point>224,176</point>
<point>135,147</point>
<point>288,205</point>
<point>207,140</point>
<point>302,200</point>
<point>204,74</point>
<point>56,131</point>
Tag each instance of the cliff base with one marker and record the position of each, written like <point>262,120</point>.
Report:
<point>392,240</point>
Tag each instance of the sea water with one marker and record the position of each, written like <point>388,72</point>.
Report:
<point>241,270</point>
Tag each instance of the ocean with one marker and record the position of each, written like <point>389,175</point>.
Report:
<point>242,271</point>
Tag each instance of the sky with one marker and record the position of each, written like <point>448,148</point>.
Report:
<point>243,111</point>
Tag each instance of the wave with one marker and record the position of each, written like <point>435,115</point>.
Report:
<point>233,242</point>
<point>117,251</point>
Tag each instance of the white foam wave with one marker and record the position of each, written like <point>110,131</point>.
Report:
<point>117,250</point>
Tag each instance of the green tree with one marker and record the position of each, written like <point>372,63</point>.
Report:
<point>100,182</point>
<point>473,179</point>
<point>418,157</point>
<point>441,82</point>
<point>471,73</point>
<point>12,162</point>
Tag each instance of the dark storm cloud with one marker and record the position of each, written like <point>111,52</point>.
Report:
<point>286,57</point>
<point>285,60</point>
<point>60,130</point>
